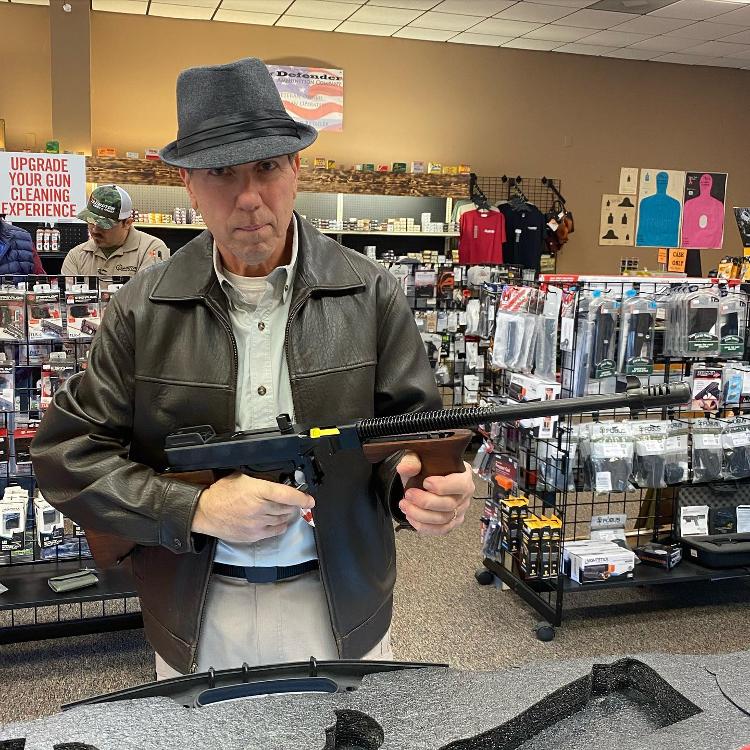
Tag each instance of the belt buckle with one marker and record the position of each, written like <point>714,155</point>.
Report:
<point>261,575</point>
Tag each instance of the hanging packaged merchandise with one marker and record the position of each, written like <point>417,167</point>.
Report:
<point>573,328</point>
<point>676,468</point>
<point>732,381</point>
<point>703,323</point>
<point>603,313</point>
<point>732,324</point>
<point>472,317</point>
<point>43,313</point>
<point>49,523</point>
<point>611,456</point>
<point>488,299</point>
<point>735,441</point>
<point>636,351</point>
<point>82,310</point>
<point>515,329</point>
<point>12,314</point>
<point>54,373</point>
<point>513,512</point>
<point>545,355</point>
<point>706,388</point>
<point>707,450</point>
<point>7,385</point>
<point>13,509</point>
<point>650,449</point>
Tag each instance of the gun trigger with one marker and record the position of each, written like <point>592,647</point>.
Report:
<point>297,481</point>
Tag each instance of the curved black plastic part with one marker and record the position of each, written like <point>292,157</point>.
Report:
<point>267,687</point>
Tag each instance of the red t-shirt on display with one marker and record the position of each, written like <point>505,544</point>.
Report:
<point>482,237</point>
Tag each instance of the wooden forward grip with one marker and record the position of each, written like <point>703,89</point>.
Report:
<point>439,456</point>
<point>108,549</point>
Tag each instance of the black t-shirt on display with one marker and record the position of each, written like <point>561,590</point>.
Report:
<point>524,230</point>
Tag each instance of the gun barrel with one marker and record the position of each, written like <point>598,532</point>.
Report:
<point>638,399</point>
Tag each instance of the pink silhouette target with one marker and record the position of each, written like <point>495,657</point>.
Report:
<point>703,214</point>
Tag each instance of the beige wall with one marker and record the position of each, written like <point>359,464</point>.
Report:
<point>25,88</point>
<point>502,111</point>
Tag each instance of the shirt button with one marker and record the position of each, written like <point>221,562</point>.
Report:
<point>262,391</point>
<point>261,326</point>
<point>286,288</point>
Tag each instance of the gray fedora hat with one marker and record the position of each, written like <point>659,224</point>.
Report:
<point>232,114</point>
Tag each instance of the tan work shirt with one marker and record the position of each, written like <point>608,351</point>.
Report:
<point>139,251</point>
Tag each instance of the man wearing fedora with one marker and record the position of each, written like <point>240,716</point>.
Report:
<point>260,315</point>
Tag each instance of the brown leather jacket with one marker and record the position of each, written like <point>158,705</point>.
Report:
<point>165,357</point>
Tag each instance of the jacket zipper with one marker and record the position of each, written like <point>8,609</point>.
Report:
<point>292,313</point>
<point>235,363</point>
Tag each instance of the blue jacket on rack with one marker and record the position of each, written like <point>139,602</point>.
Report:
<point>16,250</point>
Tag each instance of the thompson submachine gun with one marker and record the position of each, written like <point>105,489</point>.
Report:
<point>295,454</point>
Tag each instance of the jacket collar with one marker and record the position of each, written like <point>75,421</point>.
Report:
<point>322,265</point>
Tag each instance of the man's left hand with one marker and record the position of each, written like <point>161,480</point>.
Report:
<point>441,505</point>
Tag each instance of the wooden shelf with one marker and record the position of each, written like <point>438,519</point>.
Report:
<point>167,225</point>
<point>147,172</point>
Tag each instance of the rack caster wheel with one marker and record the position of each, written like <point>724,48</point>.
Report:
<point>544,631</point>
<point>484,577</point>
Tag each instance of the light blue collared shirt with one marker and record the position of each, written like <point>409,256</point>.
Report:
<point>258,310</point>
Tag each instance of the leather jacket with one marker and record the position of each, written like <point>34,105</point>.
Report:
<point>165,357</point>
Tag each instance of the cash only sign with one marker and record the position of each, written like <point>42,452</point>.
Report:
<point>43,188</point>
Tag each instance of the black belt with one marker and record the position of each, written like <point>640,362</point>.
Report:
<point>265,575</point>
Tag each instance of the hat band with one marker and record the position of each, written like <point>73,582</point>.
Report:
<point>219,131</point>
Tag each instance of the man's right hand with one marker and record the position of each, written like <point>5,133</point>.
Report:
<point>239,508</point>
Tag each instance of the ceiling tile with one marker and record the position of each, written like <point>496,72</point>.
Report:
<point>719,49</point>
<point>630,53</point>
<point>535,44</point>
<point>194,3</point>
<point>168,10</point>
<point>615,38</point>
<point>473,7</point>
<point>694,10</point>
<point>708,31</point>
<point>558,33</point>
<point>304,22</point>
<point>742,38</point>
<point>408,4</point>
<point>431,35</point>
<point>31,2</point>
<point>320,9</point>
<point>723,62</point>
<point>391,16</point>
<point>486,40</point>
<point>120,6</point>
<point>238,16</point>
<point>683,58</point>
<point>583,49</point>
<point>534,12</point>
<point>371,29</point>
<point>666,44</point>
<point>652,25</point>
<point>596,19</point>
<point>446,21</point>
<point>256,6</point>
<point>739,15</point>
<point>575,4</point>
<point>504,28</point>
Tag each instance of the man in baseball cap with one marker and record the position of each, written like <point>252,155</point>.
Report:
<point>114,247</point>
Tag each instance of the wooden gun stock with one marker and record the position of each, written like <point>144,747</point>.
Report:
<point>109,549</point>
<point>439,456</point>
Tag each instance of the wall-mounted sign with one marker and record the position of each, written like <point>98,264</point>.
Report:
<point>314,96</point>
<point>42,187</point>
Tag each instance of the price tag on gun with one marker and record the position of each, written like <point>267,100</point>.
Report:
<point>295,454</point>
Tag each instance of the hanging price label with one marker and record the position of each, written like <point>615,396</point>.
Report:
<point>662,257</point>
<point>677,258</point>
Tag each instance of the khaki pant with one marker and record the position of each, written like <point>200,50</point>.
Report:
<point>266,623</point>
